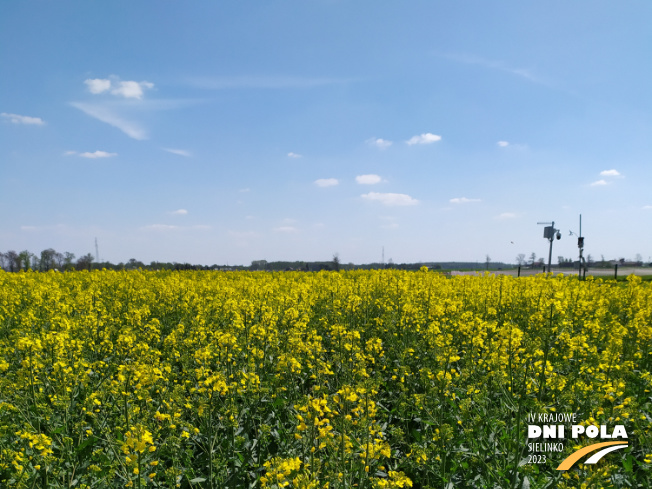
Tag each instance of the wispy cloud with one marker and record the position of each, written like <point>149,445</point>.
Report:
<point>180,152</point>
<point>462,200</point>
<point>426,138</point>
<point>379,143</point>
<point>599,183</point>
<point>294,155</point>
<point>23,119</point>
<point>107,114</point>
<point>368,179</point>
<point>506,215</point>
<point>327,182</point>
<point>286,229</point>
<point>390,199</point>
<point>179,212</point>
<point>265,82</point>
<point>512,146</point>
<point>113,85</point>
<point>610,173</point>
<point>495,65</point>
<point>647,207</point>
<point>97,154</point>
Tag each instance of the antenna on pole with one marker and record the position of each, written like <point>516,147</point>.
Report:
<point>97,253</point>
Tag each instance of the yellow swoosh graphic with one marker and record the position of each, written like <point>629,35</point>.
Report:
<point>568,462</point>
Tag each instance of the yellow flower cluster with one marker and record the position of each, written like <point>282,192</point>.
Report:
<point>312,380</point>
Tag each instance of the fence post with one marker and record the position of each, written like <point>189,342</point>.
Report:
<point>616,271</point>
<point>519,270</point>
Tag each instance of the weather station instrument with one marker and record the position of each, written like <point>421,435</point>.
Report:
<point>550,233</point>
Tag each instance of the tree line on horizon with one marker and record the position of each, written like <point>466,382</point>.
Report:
<point>50,259</point>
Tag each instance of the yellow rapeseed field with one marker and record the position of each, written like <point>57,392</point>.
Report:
<point>367,379</point>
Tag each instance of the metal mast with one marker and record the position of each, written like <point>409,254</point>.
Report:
<point>549,232</point>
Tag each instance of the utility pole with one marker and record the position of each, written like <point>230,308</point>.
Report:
<point>549,232</point>
<point>580,245</point>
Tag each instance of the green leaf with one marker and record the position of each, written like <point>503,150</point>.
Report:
<point>196,480</point>
<point>628,463</point>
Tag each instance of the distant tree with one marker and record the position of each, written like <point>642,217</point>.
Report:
<point>25,259</point>
<point>68,260</point>
<point>133,264</point>
<point>520,259</point>
<point>639,259</point>
<point>12,261</point>
<point>589,259</point>
<point>336,262</point>
<point>533,259</point>
<point>59,260</point>
<point>259,265</point>
<point>47,261</point>
<point>84,262</point>
<point>487,261</point>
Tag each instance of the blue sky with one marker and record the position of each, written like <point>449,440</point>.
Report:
<point>226,132</point>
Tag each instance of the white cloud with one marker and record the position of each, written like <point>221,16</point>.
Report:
<point>179,212</point>
<point>244,190</point>
<point>462,200</point>
<point>647,207</point>
<point>294,155</point>
<point>126,89</point>
<point>390,199</point>
<point>286,229</point>
<point>503,144</point>
<point>98,85</point>
<point>105,114</point>
<point>327,182</point>
<point>610,173</point>
<point>23,119</point>
<point>97,154</point>
<point>599,183</point>
<point>379,143</point>
<point>425,138</point>
<point>131,89</point>
<point>507,215</point>
<point>368,179</point>
<point>69,153</point>
<point>180,152</point>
